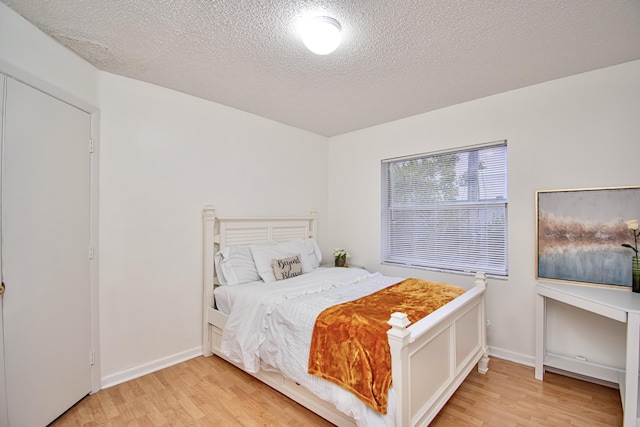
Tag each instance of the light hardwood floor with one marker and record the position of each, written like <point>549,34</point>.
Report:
<point>210,392</point>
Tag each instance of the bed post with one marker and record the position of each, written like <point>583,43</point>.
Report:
<point>398,344</point>
<point>313,230</point>
<point>208,224</point>
<point>481,283</point>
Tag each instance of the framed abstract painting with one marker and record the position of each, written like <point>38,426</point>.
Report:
<point>580,235</point>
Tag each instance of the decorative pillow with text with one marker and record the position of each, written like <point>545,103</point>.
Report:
<point>287,268</point>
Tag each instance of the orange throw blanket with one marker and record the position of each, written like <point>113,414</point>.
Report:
<point>349,346</point>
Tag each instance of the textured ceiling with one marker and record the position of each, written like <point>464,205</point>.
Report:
<point>397,59</point>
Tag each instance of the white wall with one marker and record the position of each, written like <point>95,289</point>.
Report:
<point>28,50</point>
<point>165,155</point>
<point>577,132</point>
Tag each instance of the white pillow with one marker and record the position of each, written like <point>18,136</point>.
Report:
<point>235,266</point>
<point>313,252</point>
<point>264,255</point>
<point>218,265</point>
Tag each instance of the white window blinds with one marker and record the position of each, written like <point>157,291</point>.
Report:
<point>447,210</point>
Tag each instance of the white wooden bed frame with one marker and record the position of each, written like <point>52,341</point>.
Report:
<point>430,358</point>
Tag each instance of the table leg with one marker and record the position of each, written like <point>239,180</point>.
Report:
<point>631,370</point>
<point>541,320</point>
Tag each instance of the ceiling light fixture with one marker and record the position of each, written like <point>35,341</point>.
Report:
<point>321,35</point>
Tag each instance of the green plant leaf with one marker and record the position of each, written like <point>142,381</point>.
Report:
<point>626,245</point>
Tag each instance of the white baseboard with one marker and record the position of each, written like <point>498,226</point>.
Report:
<point>147,368</point>
<point>165,362</point>
<point>520,358</point>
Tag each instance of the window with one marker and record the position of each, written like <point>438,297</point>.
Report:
<point>447,210</point>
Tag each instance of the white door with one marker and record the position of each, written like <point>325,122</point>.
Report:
<point>45,255</point>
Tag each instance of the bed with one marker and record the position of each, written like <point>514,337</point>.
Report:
<point>429,358</point>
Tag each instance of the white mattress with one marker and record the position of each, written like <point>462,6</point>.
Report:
<point>270,326</point>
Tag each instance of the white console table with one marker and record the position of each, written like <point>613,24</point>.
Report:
<point>618,304</point>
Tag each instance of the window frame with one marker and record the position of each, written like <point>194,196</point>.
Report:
<point>489,216</point>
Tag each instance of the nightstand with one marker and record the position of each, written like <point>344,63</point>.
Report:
<point>332,265</point>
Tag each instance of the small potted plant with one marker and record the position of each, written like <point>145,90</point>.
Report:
<point>341,257</point>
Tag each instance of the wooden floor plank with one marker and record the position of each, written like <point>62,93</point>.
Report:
<point>209,392</point>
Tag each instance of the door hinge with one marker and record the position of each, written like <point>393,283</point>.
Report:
<point>90,252</point>
<point>92,146</point>
<point>92,358</point>
<point>2,288</point>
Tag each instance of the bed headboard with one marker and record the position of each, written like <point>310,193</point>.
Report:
<point>219,232</point>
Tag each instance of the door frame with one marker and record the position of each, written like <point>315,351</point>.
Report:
<point>43,86</point>
<point>4,415</point>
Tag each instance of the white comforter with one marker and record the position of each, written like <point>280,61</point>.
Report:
<point>270,326</point>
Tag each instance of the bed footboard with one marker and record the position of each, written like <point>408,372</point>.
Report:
<point>431,358</point>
